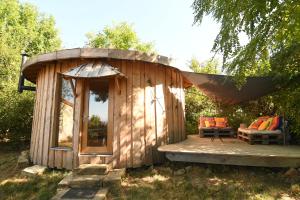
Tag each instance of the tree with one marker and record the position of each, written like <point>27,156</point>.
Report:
<point>197,103</point>
<point>208,67</point>
<point>22,29</point>
<point>271,27</point>
<point>119,36</point>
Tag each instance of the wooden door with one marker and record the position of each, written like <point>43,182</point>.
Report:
<point>97,128</point>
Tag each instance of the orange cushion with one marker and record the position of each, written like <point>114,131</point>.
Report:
<point>258,122</point>
<point>220,119</point>
<point>264,125</point>
<point>210,123</point>
<point>203,119</point>
<point>274,124</point>
<point>221,122</point>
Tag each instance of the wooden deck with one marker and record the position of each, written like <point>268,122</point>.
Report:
<point>232,152</point>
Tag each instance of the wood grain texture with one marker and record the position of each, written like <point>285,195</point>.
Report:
<point>150,130</point>
<point>129,151</point>
<point>232,151</point>
<point>48,118</point>
<point>137,115</point>
<point>146,111</point>
<point>77,121</point>
<point>123,125</point>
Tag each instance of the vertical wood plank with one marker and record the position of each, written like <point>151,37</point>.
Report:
<point>129,99</point>
<point>67,159</point>
<point>78,109</point>
<point>150,131</point>
<point>169,108</point>
<point>39,107</point>
<point>35,120</point>
<point>142,107</point>
<point>54,114</point>
<point>175,105</point>
<point>58,159</point>
<point>51,158</point>
<point>111,125</point>
<point>43,115</point>
<point>179,108</point>
<point>48,116</point>
<point>123,125</point>
<point>160,108</point>
<point>137,114</point>
<point>182,97</point>
<point>117,117</point>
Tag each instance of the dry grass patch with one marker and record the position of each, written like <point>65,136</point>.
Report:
<point>207,182</point>
<point>14,186</point>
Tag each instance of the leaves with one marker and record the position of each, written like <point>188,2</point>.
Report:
<point>267,24</point>
<point>22,29</point>
<point>119,36</point>
<point>272,29</point>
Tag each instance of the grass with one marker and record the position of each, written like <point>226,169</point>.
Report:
<point>208,182</point>
<point>159,182</point>
<point>14,186</point>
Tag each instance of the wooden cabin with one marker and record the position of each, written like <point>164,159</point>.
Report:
<point>104,106</point>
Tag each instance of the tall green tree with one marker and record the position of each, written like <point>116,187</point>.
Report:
<point>271,27</point>
<point>119,36</point>
<point>22,29</point>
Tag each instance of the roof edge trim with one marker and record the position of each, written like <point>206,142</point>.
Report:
<point>98,53</point>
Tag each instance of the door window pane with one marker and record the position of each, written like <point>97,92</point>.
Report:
<point>98,113</point>
<point>66,112</point>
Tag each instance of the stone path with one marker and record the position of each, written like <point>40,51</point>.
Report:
<point>89,181</point>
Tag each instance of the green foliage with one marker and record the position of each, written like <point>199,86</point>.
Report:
<point>119,36</point>
<point>273,48</point>
<point>198,104</point>
<point>208,67</point>
<point>269,26</point>
<point>22,29</point>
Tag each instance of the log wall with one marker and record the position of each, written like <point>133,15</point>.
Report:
<point>148,111</point>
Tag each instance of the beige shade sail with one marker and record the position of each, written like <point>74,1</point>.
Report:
<point>93,70</point>
<point>222,88</point>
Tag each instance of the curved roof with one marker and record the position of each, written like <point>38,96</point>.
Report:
<point>219,87</point>
<point>93,70</point>
<point>31,66</point>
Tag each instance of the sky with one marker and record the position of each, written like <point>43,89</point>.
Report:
<point>167,23</point>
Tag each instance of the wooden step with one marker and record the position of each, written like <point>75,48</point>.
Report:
<point>92,169</point>
<point>81,181</point>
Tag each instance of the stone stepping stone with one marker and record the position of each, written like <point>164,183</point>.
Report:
<point>81,181</point>
<point>81,194</point>
<point>33,170</point>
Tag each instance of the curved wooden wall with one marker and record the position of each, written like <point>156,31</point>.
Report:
<point>148,112</point>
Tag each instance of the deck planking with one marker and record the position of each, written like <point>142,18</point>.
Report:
<point>232,152</point>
